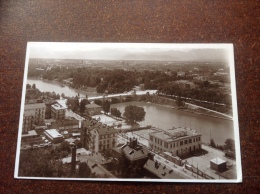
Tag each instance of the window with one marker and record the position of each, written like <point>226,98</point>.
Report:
<point>151,138</point>
<point>165,144</point>
<point>185,141</point>
<point>181,143</point>
<point>190,140</point>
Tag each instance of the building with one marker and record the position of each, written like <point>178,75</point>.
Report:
<point>31,138</point>
<point>53,135</point>
<point>68,125</point>
<point>58,111</point>
<point>28,121</point>
<point>135,152</point>
<point>98,137</point>
<point>178,141</point>
<point>218,164</point>
<point>155,170</point>
<point>93,109</point>
<point>36,111</point>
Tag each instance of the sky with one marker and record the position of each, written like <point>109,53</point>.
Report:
<point>131,51</point>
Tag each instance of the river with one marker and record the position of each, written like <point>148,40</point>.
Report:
<point>165,118</point>
<point>157,115</point>
<point>54,86</point>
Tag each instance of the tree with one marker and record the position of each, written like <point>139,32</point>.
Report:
<point>65,146</point>
<point>134,113</point>
<point>82,106</point>
<point>28,86</point>
<point>41,163</point>
<point>212,143</point>
<point>106,106</point>
<point>84,170</point>
<point>115,112</point>
<point>34,86</point>
<point>230,144</point>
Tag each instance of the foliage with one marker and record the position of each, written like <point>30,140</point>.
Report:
<point>65,146</point>
<point>84,171</point>
<point>82,106</point>
<point>40,163</point>
<point>134,113</point>
<point>212,143</point>
<point>115,112</point>
<point>106,106</point>
<point>28,86</point>
<point>230,144</point>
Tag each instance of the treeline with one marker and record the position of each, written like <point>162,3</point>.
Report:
<point>110,81</point>
<point>119,81</point>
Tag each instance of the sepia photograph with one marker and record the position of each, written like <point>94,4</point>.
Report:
<point>153,112</point>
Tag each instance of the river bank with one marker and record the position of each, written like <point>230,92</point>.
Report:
<point>189,107</point>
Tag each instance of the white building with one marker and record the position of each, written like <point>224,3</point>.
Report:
<point>178,141</point>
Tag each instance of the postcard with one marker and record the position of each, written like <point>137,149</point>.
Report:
<point>129,112</point>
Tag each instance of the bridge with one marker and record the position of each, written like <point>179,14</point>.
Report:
<point>123,95</point>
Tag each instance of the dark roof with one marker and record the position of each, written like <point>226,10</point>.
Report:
<point>161,171</point>
<point>136,153</point>
<point>105,130</point>
<point>64,123</point>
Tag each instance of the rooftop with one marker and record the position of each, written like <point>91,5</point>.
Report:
<point>53,132</point>
<point>34,106</point>
<point>93,105</point>
<point>218,161</point>
<point>62,102</point>
<point>30,133</point>
<point>58,106</point>
<point>161,171</point>
<point>104,130</point>
<point>133,151</point>
<point>174,133</point>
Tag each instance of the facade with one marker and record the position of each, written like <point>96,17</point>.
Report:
<point>28,121</point>
<point>178,141</point>
<point>33,114</point>
<point>98,137</point>
<point>58,111</point>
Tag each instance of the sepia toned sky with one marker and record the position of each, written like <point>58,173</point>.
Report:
<point>131,51</point>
